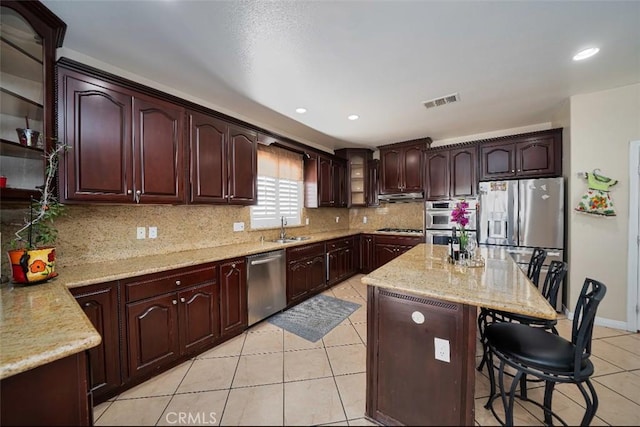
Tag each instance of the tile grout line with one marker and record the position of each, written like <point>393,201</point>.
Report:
<point>235,371</point>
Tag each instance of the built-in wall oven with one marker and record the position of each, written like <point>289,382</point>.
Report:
<point>438,214</point>
<point>438,224</point>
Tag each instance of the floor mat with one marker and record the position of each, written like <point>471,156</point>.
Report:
<point>313,318</point>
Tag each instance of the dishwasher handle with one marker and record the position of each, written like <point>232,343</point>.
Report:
<point>265,260</point>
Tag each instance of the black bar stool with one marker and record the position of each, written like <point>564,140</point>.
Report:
<point>544,355</point>
<point>533,273</point>
<point>550,288</point>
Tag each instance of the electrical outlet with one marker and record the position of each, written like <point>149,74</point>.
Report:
<point>140,233</point>
<point>364,219</point>
<point>306,221</point>
<point>153,232</point>
<point>442,349</point>
<point>238,226</point>
<point>337,219</point>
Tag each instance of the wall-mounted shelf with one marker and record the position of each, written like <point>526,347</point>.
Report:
<point>13,149</point>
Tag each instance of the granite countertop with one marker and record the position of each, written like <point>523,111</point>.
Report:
<point>43,323</point>
<point>40,324</point>
<point>500,284</point>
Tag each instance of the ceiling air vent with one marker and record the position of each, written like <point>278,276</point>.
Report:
<point>437,102</point>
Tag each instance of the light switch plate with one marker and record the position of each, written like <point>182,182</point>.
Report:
<point>442,349</point>
<point>238,226</point>
<point>153,232</point>
<point>140,233</point>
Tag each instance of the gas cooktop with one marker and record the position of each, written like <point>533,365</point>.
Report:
<point>400,230</point>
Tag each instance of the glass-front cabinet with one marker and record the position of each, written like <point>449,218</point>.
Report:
<point>358,184</point>
<point>29,35</point>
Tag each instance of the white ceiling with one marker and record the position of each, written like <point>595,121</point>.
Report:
<point>260,60</point>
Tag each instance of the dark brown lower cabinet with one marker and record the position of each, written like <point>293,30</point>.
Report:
<point>100,304</point>
<point>233,296</point>
<point>387,248</point>
<point>341,259</point>
<point>306,271</point>
<point>169,315</point>
<point>406,384</point>
<point>50,395</point>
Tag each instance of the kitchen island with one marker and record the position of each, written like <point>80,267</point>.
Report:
<point>422,334</point>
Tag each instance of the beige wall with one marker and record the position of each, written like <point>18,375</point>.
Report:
<point>602,124</point>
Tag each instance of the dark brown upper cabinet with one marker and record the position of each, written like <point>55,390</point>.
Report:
<point>451,172</point>
<point>126,147</point>
<point>29,36</point>
<point>531,155</point>
<point>223,164</point>
<point>324,181</point>
<point>402,165</point>
<point>358,185</point>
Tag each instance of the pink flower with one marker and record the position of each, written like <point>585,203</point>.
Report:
<point>459,214</point>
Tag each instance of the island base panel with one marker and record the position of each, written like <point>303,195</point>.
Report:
<point>406,384</point>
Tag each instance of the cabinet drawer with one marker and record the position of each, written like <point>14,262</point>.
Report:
<point>339,244</point>
<point>398,240</point>
<point>299,252</point>
<point>141,287</point>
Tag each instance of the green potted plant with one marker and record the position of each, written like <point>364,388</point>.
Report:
<point>32,256</point>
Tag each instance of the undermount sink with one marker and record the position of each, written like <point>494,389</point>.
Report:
<point>291,239</point>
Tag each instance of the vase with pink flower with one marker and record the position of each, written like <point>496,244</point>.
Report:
<point>460,216</point>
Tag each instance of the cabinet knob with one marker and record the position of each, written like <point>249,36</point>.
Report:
<point>138,193</point>
<point>178,282</point>
<point>233,265</point>
<point>231,196</point>
<point>182,300</point>
<point>129,192</point>
<point>174,302</point>
<point>512,170</point>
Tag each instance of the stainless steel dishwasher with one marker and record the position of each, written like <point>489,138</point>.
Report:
<point>266,285</point>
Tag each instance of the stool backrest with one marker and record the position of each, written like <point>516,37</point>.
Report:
<point>583,319</point>
<point>535,265</point>
<point>555,276</point>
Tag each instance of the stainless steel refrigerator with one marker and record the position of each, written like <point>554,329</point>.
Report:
<point>522,215</point>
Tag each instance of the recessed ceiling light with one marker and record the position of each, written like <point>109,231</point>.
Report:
<point>301,110</point>
<point>353,117</point>
<point>586,53</point>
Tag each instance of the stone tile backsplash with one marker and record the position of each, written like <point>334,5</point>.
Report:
<point>94,233</point>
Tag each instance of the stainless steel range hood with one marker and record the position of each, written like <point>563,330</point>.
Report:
<point>401,197</point>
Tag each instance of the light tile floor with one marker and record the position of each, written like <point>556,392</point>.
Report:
<point>268,376</point>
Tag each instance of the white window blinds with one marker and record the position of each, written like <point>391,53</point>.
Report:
<point>280,181</point>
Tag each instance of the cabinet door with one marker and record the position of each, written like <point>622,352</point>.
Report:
<point>152,333</point>
<point>100,305</point>
<point>437,185</point>
<point>199,315</point>
<point>333,267</point>
<point>158,151</point>
<point>339,184</point>
<point>367,260</point>
<point>316,279</point>
<point>233,296</point>
<point>412,169</point>
<point>536,157</point>
<point>373,171</point>
<point>463,175</point>
<point>497,160</point>
<point>208,148</point>
<point>243,165</point>
<point>95,120</point>
<point>384,253</point>
<point>390,169</point>
<point>297,280</point>
<point>325,182</point>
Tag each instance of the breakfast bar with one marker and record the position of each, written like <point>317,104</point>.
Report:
<point>421,336</point>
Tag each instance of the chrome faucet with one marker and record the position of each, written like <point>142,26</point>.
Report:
<point>283,222</point>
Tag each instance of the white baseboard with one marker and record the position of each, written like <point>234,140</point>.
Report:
<point>601,321</point>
